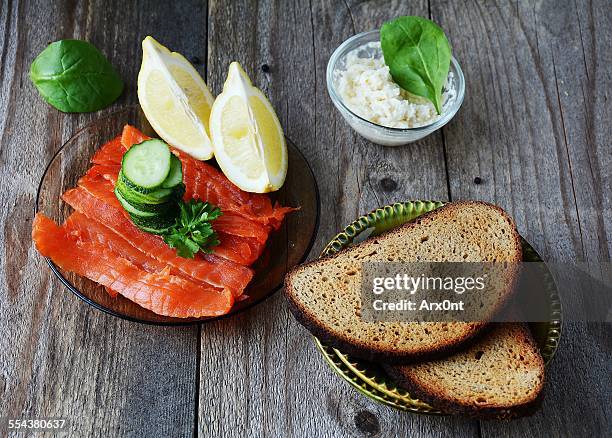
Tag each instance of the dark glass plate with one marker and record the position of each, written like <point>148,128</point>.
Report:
<point>285,248</point>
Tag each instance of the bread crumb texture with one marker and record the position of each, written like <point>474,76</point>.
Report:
<point>504,369</point>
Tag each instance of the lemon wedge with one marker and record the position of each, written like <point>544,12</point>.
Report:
<point>175,99</point>
<point>247,137</point>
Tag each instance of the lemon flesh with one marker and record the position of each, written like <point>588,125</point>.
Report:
<point>175,99</point>
<point>246,135</point>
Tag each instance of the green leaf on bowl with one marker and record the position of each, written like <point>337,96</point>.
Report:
<point>418,55</point>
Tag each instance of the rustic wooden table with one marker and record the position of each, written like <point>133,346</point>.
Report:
<point>535,127</point>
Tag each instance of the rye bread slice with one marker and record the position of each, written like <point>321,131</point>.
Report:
<point>325,295</point>
<point>499,376</point>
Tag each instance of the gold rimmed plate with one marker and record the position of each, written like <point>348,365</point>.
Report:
<point>370,379</point>
<point>285,248</point>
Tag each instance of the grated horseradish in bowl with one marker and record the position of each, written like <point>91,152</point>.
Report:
<point>361,88</point>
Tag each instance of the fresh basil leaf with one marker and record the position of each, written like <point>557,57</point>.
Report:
<point>74,76</point>
<point>418,55</point>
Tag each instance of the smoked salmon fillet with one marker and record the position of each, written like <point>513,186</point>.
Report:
<point>208,268</point>
<point>203,181</point>
<point>82,228</point>
<point>160,292</point>
<point>253,235</point>
<point>109,172</point>
<point>110,153</point>
<point>242,250</point>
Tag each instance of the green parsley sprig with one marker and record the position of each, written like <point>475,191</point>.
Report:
<point>192,231</point>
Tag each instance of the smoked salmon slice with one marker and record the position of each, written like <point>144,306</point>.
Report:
<point>110,153</point>
<point>208,268</point>
<point>203,181</point>
<point>160,292</point>
<point>246,233</point>
<point>106,171</point>
<point>82,227</point>
<point>242,250</point>
<point>131,136</point>
<point>229,222</point>
<point>103,189</point>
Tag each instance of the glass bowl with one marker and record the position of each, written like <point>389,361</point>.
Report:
<point>377,133</point>
<point>285,248</point>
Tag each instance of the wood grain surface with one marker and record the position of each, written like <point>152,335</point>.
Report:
<point>534,126</point>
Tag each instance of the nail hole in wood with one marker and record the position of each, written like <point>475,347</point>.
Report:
<point>367,423</point>
<point>388,185</point>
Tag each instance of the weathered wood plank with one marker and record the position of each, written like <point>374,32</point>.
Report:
<point>528,130</point>
<point>260,372</point>
<point>580,59</point>
<point>59,357</point>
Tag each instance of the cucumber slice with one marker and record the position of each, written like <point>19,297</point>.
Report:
<point>159,196</point>
<point>153,230</point>
<point>131,209</point>
<point>163,195</point>
<point>175,177</point>
<point>178,192</point>
<point>147,164</point>
<point>157,192</point>
<point>157,222</point>
<point>163,208</point>
<point>133,187</point>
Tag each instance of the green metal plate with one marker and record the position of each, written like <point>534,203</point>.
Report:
<point>368,378</point>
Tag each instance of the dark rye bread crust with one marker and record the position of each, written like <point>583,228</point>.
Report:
<point>448,407</point>
<point>445,404</point>
<point>371,354</point>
